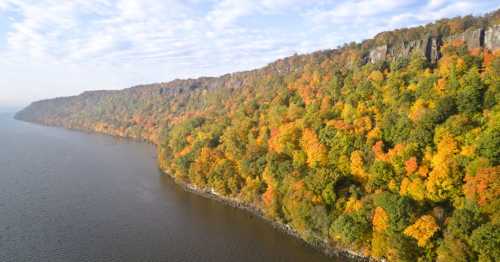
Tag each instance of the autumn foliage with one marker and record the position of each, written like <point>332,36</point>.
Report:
<point>422,230</point>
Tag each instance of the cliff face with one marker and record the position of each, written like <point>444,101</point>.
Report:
<point>492,38</point>
<point>431,47</point>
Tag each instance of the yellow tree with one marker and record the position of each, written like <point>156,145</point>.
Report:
<point>376,77</point>
<point>380,220</point>
<point>414,188</point>
<point>419,109</point>
<point>423,229</point>
<point>353,205</point>
<point>357,166</point>
<point>315,151</point>
<point>444,179</point>
<point>284,139</point>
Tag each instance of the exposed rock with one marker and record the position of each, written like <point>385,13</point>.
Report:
<point>492,37</point>
<point>431,47</point>
<point>473,38</point>
<point>405,49</point>
<point>421,46</point>
<point>432,51</point>
<point>377,54</point>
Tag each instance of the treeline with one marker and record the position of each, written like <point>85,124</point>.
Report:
<point>397,160</point>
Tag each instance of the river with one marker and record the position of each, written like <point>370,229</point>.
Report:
<point>72,196</point>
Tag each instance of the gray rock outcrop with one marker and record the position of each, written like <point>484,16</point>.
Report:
<point>377,54</point>
<point>492,37</point>
<point>473,38</point>
<point>431,47</point>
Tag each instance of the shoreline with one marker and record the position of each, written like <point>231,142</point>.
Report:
<point>320,245</point>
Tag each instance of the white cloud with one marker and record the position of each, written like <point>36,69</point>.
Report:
<point>226,12</point>
<point>4,4</point>
<point>68,46</point>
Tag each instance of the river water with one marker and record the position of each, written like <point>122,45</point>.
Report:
<point>72,196</point>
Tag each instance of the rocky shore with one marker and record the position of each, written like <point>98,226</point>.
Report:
<point>321,245</point>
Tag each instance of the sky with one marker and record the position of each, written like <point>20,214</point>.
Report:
<point>51,48</point>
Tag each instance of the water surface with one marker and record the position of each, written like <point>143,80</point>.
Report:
<point>71,196</point>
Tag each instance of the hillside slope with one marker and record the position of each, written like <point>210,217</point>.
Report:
<point>390,147</point>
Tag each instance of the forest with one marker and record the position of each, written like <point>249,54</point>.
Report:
<point>398,159</point>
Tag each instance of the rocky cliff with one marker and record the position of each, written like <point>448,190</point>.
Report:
<point>430,47</point>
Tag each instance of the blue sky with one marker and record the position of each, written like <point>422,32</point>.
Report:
<point>52,48</point>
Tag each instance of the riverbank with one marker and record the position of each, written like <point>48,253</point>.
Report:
<point>322,246</point>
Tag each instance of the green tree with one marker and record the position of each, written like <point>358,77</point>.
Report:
<point>486,241</point>
<point>349,228</point>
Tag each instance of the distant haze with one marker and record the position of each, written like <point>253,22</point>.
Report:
<point>60,48</point>
<point>7,109</point>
